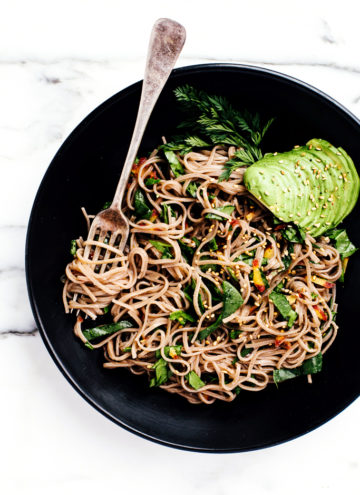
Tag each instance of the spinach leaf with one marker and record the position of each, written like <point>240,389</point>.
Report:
<point>187,251</point>
<point>204,334</point>
<point>283,306</point>
<point>342,242</point>
<point>232,300</point>
<point>73,247</point>
<point>213,246</point>
<point>181,317</point>
<point>105,330</point>
<point>245,351</point>
<point>293,233</point>
<point>189,294</point>
<point>194,380</point>
<point>176,167</point>
<point>142,209</point>
<point>228,209</point>
<point>192,188</point>
<point>167,212</point>
<point>285,374</point>
<point>167,349</point>
<point>162,373</point>
<point>310,366</point>
<point>234,334</point>
<point>150,181</point>
<point>163,247</point>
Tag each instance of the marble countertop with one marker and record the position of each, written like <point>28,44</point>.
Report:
<point>58,61</point>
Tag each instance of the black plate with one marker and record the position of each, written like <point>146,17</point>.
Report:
<point>84,173</point>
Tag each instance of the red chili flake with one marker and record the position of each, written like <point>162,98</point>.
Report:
<point>80,319</point>
<point>234,222</point>
<point>329,285</point>
<point>281,226</point>
<point>255,262</point>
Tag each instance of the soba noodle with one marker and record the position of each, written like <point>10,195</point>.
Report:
<point>145,287</point>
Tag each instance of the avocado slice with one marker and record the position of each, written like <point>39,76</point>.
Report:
<point>314,186</point>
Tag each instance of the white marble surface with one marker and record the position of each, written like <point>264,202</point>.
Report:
<point>58,60</point>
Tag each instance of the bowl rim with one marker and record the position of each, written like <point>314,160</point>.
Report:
<point>80,127</point>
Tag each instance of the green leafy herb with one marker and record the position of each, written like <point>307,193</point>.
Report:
<point>294,233</point>
<point>242,158</point>
<point>73,247</point>
<point>126,349</point>
<point>232,300</point>
<point>162,373</point>
<point>189,294</point>
<point>176,167</point>
<point>245,351</point>
<point>174,348</point>
<point>213,246</point>
<point>167,212</point>
<point>150,181</point>
<point>181,317</point>
<point>234,334</point>
<point>342,242</point>
<point>227,209</point>
<point>192,188</point>
<point>212,120</point>
<point>194,380</point>
<point>186,250</point>
<point>309,367</point>
<point>313,296</point>
<point>283,306</point>
<point>163,247</point>
<point>107,205</point>
<point>106,309</point>
<point>105,330</point>
<point>142,209</point>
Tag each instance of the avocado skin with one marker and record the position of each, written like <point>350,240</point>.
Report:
<point>315,186</point>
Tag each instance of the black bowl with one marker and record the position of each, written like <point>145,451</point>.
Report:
<point>85,171</point>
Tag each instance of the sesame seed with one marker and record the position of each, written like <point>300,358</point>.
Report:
<point>291,215</point>
<point>303,154</point>
<point>282,172</point>
<point>310,146</point>
<point>275,153</point>
<point>322,216</point>
<point>281,161</point>
<point>318,149</point>
<point>308,213</point>
<point>298,214</point>
<point>266,193</point>
<point>327,223</point>
<point>317,225</point>
<point>317,159</point>
<point>302,167</point>
<point>296,146</point>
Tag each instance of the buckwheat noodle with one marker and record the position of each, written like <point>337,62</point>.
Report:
<point>146,288</point>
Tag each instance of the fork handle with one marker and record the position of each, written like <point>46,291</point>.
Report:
<point>166,41</point>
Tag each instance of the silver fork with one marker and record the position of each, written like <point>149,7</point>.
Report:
<point>111,225</point>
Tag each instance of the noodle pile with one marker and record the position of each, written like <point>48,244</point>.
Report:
<point>144,286</point>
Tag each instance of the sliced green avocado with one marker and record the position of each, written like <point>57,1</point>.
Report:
<point>315,186</point>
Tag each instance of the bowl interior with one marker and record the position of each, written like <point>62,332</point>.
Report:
<point>85,172</point>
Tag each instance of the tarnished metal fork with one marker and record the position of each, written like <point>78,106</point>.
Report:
<point>111,225</point>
